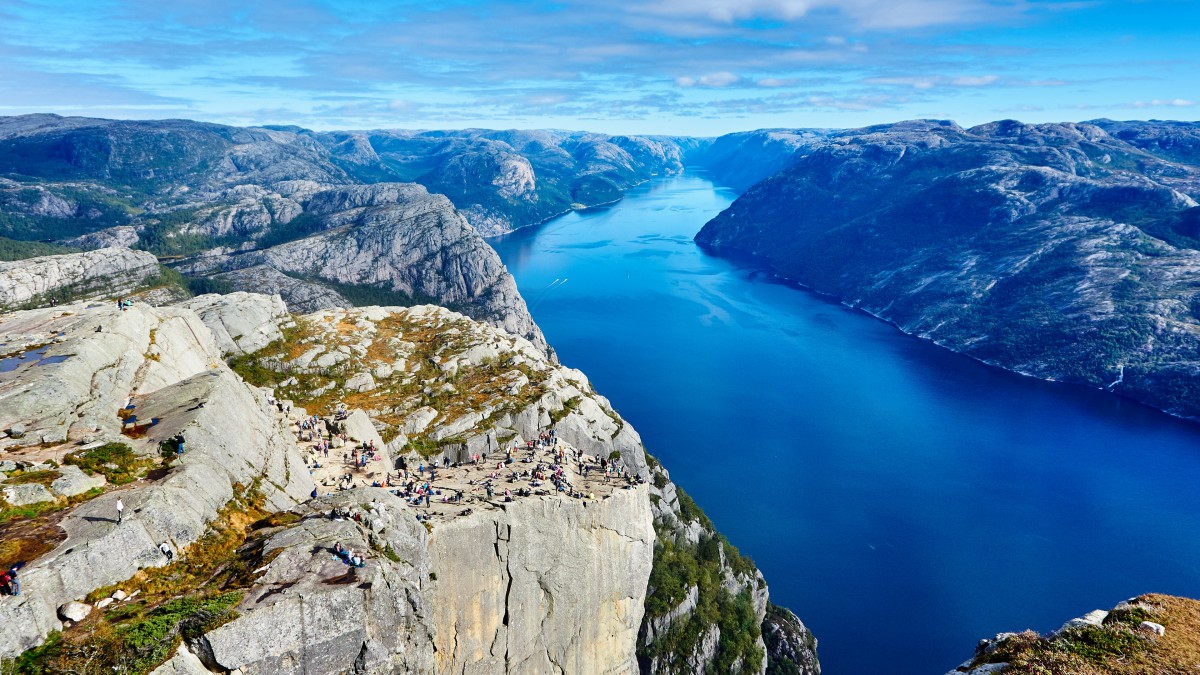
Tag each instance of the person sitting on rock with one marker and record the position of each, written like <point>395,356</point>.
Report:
<point>165,548</point>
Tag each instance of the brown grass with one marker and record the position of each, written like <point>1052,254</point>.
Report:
<point>45,477</point>
<point>476,388</point>
<point>1116,648</point>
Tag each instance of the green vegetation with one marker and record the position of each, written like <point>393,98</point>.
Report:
<point>678,567</point>
<point>93,209</point>
<point>194,594</point>
<point>1116,647</point>
<point>784,620</point>
<point>569,406</point>
<point>689,511</point>
<point>297,228</point>
<point>162,234</point>
<point>13,249</point>
<point>45,477</point>
<point>115,461</point>
<point>362,295</point>
<point>9,512</point>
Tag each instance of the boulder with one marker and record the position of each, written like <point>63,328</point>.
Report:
<point>1092,618</point>
<point>74,611</point>
<point>182,663</point>
<point>418,420</point>
<point>241,323</point>
<point>26,494</point>
<point>360,382</point>
<point>1156,628</point>
<point>74,481</point>
<point>358,426</point>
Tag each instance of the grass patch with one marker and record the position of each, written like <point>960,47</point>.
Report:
<point>27,532</point>
<point>569,406</point>
<point>1117,647</point>
<point>679,567</point>
<point>194,594</point>
<point>44,477</point>
<point>117,462</point>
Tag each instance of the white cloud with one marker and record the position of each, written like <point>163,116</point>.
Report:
<point>1163,103</point>
<point>968,81</point>
<point>864,14</point>
<point>932,81</point>
<point>778,82</point>
<point>721,79</point>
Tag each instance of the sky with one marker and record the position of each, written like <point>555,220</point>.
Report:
<point>679,67</point>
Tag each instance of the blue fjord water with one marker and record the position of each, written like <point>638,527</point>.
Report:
<point>902,500</point>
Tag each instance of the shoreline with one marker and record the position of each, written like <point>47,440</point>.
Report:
<point>772,276</point>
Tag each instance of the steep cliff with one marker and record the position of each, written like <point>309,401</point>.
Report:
<point>107,271</point>
<point>389,243</point>
<point>504,568</point>
<point>742,159</point>
<point>1056,250</point>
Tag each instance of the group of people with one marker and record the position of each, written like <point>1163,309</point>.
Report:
<point>10,583</point>
<point>348,556</point>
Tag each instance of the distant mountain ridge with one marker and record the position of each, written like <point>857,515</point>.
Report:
<point>204,196</point>
<point>1065,251</point>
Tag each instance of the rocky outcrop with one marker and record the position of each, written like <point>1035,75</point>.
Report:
<point>703,593</point>
<point>791,647</point>
<point>80,275</point>
<point>309,612</point>
<point>1056,250</point>
<point>124,236</point>
<point>240,322</point>
<point>401,245</point>
<point>520,577</point>
<point>1124,641</point>
<point>162,366</point>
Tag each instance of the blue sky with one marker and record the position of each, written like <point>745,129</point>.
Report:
<point>696,67</point>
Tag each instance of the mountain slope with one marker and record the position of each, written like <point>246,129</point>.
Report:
<point>1055,250</point>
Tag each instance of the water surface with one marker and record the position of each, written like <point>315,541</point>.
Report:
<point>903,500</point>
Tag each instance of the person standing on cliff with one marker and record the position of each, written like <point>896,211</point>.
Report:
<point>120,510</point>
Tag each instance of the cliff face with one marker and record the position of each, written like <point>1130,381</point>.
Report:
<point>108,271</point>
<point>390,243</point>
<point>524,578</point>
<point>742,159</point>
<point>543,586</point>
<point>1058,250</point>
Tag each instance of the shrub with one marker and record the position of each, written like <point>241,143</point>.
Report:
<point>115,461</point>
